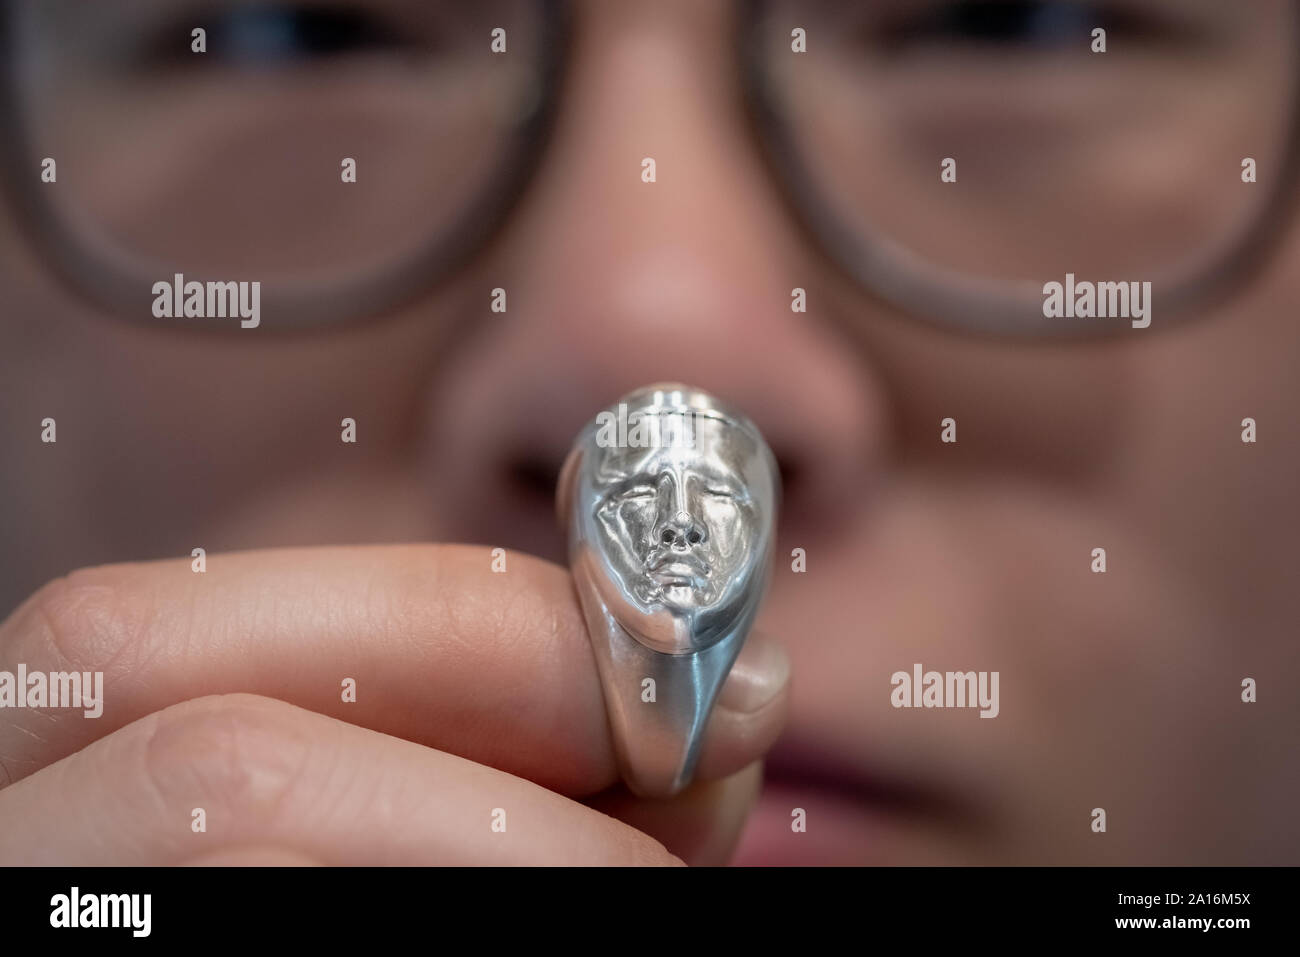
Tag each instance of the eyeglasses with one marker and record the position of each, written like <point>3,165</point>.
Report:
<point>953,156</point>
<point>237,163</point>
<point>1109,142</point>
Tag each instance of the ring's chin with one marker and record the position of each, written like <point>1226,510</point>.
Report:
<point>681,598</point>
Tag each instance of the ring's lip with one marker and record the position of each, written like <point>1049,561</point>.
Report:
<point>677,575</point>
<point>678,568</point>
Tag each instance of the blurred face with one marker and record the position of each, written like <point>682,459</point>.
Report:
<point>1120,690</point>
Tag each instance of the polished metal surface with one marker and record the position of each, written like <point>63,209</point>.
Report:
<point>670,501</point>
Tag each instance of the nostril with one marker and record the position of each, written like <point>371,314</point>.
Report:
<point>534,476</point>
<point>667,536</point>
<point>791,473</point>
<point>694,537</point>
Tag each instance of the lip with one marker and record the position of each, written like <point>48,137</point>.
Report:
<point>855,815</point>
<point>800,761</point>
<point>676,569</point>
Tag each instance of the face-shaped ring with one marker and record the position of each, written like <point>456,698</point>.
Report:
<point>670,501</point>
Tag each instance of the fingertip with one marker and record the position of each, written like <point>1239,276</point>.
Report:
<point>759,676</point>
<point>751,710</point>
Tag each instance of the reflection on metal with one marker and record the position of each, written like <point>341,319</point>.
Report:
<point>670,502</point>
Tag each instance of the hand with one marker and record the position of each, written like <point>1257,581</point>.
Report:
<point>224,691</point>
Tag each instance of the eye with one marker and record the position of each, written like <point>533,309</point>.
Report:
<point>1016,24</point>
<point>282,34</point>
<point>639,491</point>
<point>1002,24</point>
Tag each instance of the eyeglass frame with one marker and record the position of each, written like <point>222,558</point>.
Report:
<point>876,264</point>
<point>976,310</point>
<point>309,304</point>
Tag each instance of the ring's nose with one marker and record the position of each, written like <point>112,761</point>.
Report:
<point>681,531</point>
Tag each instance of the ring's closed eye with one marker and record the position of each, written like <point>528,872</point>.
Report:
<point>736,496</point>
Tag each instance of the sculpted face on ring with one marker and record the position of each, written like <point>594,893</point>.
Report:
<point>680,525</point>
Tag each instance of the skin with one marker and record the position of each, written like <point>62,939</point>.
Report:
<point>477,691</point>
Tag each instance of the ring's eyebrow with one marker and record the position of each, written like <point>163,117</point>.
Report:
<point>616,464</point>
<point>608,474</point>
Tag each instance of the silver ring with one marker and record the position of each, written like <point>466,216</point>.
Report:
<point>670,499</point>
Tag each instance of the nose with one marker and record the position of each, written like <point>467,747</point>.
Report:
<point>613,283</point>
<point>681,532</point>
<point>678,527</point>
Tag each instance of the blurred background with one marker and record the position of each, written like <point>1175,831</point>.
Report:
<point>797,146</point>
